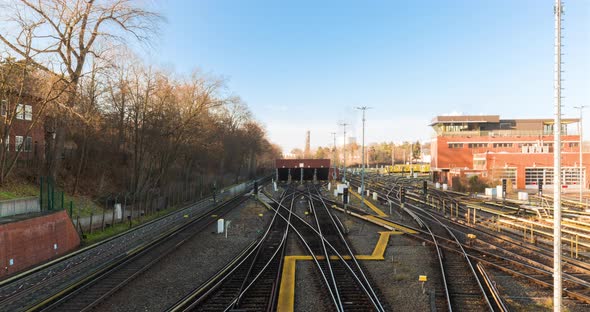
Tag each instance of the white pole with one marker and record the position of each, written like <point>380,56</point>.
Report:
<point>344,150</point>
<point>334,155</point>
<point>363,108</point>
<point>557,291</point>
<point>363,165</point>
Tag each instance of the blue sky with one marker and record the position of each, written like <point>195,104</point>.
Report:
<point>304,65</point>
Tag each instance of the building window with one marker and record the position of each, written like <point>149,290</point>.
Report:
<point>547,129</point>
<point>477,145</point>
<point>504,173</point>
<point>479,164</point>
<point>573,144</point>
<point>499,145</point>
<point>18,142</point>
<point>28,114</point>
<point>455,145</point>
<point>28,145</point>
<point>20,111</point>
<point>569,175</point>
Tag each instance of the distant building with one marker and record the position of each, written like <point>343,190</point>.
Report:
<point>520,150</point>
<point>32,144</point>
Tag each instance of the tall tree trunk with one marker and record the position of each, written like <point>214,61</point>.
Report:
<point>58,148</point>
<point>81,163</point>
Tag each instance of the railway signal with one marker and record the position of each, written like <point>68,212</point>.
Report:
<point>503,188</point>
<point>425,187</point>
<point>540,185</point>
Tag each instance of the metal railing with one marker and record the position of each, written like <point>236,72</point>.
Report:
<point>501,133</point>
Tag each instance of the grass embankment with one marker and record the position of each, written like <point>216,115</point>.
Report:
<point>99,235</point>
<point>18,190</point>
<point>82,205</point>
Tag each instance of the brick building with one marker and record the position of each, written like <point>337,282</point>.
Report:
<point>520,150</point>
<point>25,110</point>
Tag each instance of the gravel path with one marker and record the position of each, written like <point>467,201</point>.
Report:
<point>191,264</point>
<point>521,295</point>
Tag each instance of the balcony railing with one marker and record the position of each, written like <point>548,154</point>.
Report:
<point>502,133</point>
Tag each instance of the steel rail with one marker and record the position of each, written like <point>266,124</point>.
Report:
<point>334,250</point>
<point>334,285</point>
<point>64,296</point>
<point>373,295</point>
<point>199,294</point>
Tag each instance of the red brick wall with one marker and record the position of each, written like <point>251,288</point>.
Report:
<point>445,157</point>
<point>521,161</point>
<point>31,242</point>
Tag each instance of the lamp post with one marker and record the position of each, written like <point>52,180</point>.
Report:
<point>364,109</point>
<point>334,155</point>
<point>344,124</point>
<point>557,290</point>
<point>582,175</point>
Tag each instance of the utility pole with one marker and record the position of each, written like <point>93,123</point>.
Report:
<point>364,109</point>
<point>344,124</point>
<point>582,175</point>
<point>334,154</point>
<point>557,290</point>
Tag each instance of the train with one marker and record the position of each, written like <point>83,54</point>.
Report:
<point>401,168</point>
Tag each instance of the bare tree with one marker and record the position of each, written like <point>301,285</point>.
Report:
<point>21,81</point>
<point>69,33</point>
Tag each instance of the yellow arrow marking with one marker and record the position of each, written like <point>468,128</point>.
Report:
<point>370,205</point>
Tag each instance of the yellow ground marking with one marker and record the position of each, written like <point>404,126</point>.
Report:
<point>391,224</point>
<point>370,205</point>
<point>379,251</point>
<point>287,290</point>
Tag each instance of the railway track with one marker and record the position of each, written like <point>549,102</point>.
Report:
<point>513,256</point>
<point>461,287</point>
<point>346,285</point>
<point>96,288</point>
<point>250,282</point>
<point>93,273</point>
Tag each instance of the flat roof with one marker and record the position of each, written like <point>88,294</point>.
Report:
<point>493,119</point>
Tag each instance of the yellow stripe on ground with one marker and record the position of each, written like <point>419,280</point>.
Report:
<point>391,224</point>
<point>370,205</point>
<point>287,292</point>
<point>379,251</point>
<point>286,301</point>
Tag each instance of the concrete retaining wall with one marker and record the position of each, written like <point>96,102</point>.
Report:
<point>32,241</point>
<point>19,206</point>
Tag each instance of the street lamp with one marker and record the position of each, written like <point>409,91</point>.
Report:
<point>334,155</point>
<point>364,109</point>
<point>344,124</point>
<point>582,175</point>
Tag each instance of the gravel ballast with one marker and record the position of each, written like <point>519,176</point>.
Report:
<point>191,264</point>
